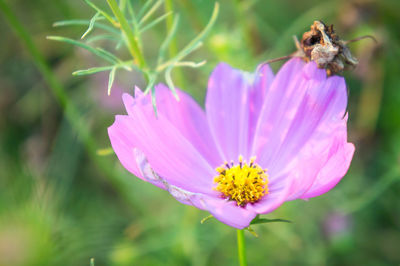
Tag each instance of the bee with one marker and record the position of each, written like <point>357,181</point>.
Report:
<point>323,46</point>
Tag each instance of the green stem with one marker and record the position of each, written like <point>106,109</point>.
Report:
<point>130,38</point>
<point>173,45</point>
<point>241,248</point>
<point>195,43</point>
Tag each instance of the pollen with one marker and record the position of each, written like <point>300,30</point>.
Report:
<point>242,182</point>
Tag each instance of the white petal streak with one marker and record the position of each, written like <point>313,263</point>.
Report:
<point>151,176</point>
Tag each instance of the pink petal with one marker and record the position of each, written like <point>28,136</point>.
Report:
<point>339,156</point>
<point>279,190</point>
<point>278,109</point>
<point>333,171</point>
<point>257,93</point>
<point>183,196</point>
<point>324,147</point>
<point>185,115</point>
<point>304,173</point>
<point>232,104</point>
<point>227,212</point>
<point>293,142</point>
<point>319,101</point>
<point>321,105</point>
<point>188,117</point>
<point>170,154</point>
<point>123,146</point>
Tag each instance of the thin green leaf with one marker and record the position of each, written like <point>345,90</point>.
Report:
<point>103,13</point>
<point>154,22</point>
<point>150,12</point>
<point>258,220</point>
<point>166,42</point>
<point>153,99</point>
<point>80,22</point>
<point>132,15</point>
<point>202,34</point>
<point>190,64</point>
<point>130,39</point>
<point>111,80</point>
<point>190,49</point>
<point>196,42</point>
<point>92,70</point>
<point>206,219</point>
<point>173,46</point>
<point>150,87</point>
<point>152,81</point>
<point>170,83</point>
<point>145,8</point>
<point>92,262</point>
<point>119,44</point>
<point>107,53</point>
<point>175,60</point>
<point>251,231</point>
<point>101,37</point>
<point>127,65</point>
<point>98,52</point>
<point>91,25</point>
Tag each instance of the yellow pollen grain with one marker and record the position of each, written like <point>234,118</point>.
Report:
<point>243,183</point>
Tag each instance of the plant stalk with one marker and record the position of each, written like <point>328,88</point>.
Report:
<point>130,39</point>
<point>173,45</point>
<point>241,242</point>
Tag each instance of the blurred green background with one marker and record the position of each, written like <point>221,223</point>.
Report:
<point>61,203</point>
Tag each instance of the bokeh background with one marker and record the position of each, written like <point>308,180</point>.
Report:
<point>63,200</point>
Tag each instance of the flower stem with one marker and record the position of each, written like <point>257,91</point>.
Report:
<point>130,39</point>
<point>173,45</point>
<point>241,248</point>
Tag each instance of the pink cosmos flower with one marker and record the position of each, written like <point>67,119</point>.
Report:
<point>261,141</point>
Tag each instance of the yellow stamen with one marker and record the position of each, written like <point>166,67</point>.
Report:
<point>244,183</point>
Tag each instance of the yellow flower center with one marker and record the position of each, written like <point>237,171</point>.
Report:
<point>244,183</point>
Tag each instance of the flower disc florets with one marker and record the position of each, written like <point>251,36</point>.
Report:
<point>244,183</point>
